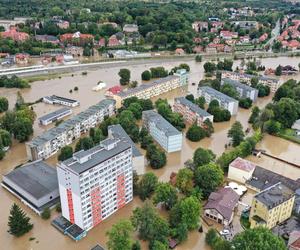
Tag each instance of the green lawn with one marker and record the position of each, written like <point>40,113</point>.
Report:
<point>289,134</point>
<point>245,222</point>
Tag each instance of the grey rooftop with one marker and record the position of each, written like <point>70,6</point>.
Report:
<point>36,178</point>
<point>217,94</point>
<point>193,107</point>
<point>274,195</point>
<point>238,84</point>
<point>84,160</point>
<point>119,133</point>
<point>54,114</point>
<point>70,123</point>
<point>160,122</point>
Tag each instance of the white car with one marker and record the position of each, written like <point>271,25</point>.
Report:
<point>225,232</point>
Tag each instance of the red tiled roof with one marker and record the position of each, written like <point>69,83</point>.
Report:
<point>243,164</point>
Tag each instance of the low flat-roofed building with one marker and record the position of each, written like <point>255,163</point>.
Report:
<point>55,116</point>
<point>154,88</point>
<point>225,101</point>
<point>245,91</point>
<point>221,204</point>
<point>272,206</point>
<point>54,99</point>
<point>35,184</point>
<point>296,126</point>
<point>241,170</point>
<point>164,133</point>
<point>191,112</point>
<point>138,159</point>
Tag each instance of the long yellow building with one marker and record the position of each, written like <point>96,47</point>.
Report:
<point>272,206</point>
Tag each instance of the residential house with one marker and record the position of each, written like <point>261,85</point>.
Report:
<point>200,26</point>
<point>22,58</point>
<point>15,35</point>
<point>167,136</point>
<point>294,241</point>
<point>47,39</point>
<point>296,127</point>
<point>221,205</point>
<point>241,170</point>
<point>179,51</point>
<point>272,206</point>
<point>77,38</point>
<point>130,28</point>
<point>228,35</point>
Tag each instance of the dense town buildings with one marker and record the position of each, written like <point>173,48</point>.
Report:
<point>94,184</point>
<point>167,136</point>
<point>49,143</point>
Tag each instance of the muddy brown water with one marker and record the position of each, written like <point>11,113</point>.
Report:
<point>47,237</point>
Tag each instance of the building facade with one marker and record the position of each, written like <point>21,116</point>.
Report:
<point>167,136</point>
<point>95,183</point>
<point>272,206</point>
<point>225,101</point>
<point>50,142</point>
<point>155,88</point>
<point>245,91</point>
<point>191,112</point>
<point>246,78</point>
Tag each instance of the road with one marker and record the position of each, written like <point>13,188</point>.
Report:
<point>275,33</point>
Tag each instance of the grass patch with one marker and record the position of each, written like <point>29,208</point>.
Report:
<point>289,134</point>
<point>42,77</point>
<point>245,222</point>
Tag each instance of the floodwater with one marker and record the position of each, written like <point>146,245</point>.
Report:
<point>46,236</point>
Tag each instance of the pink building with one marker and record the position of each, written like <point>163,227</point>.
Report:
<point>15,35</point>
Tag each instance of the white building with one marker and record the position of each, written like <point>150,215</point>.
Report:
<point>50,142</point>
<point>167,136</point>
<point>225,101</point>
<point>55,116</point>
<point>155,88</point>
<point>246,78</point>
<point>241,170</point>
<point>54,99</point>
<point>296,126</point>
<point>245,91</point>
<point>96,183</point>
<point>191,112</point>
<point>138,159</point>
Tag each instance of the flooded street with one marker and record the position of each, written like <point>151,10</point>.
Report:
<point>46,236</point>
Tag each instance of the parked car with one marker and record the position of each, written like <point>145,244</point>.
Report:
<point>225,232</point>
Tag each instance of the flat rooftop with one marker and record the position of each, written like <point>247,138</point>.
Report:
<point>119,133</point>
<point>274,195</point>
<point>55,114</point>
<point>260,77</point>
<point>36,178</point>
<point>193,107</point>
<point>238,84</point>
<point>217,94</point>
<point>85,160</point>
<point>160,122</point>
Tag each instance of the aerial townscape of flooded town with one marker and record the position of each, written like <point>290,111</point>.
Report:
<point>128,125</point>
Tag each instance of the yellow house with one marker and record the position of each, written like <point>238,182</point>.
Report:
<point>272,206</point>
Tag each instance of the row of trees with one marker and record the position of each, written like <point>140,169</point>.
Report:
<point>13,82</point>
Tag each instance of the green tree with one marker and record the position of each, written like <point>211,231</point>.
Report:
<point>66,152</point>
<point>5,138</point>
<point>149,224</point>
<point>245,103</point>
<point>3,104</point>
<point>181,232</point>
<point>18,222</point>
<point>165,193</point>
<point>272,127</point>
<point>124,76</point>
<point>278,70</point>
<point>258,239</point>
<point>208,127</point>
<point>208,177</point>
<point>146,75</point>
<point>209,67</point>
<point>184,180</point>
<point>147,185</point>
<point>136,109</point>
<point>158,245</point>
<point>198,58</point>
<point>136,246</point>
<point>229,90</point>
<point>254,115</point>
<point>190,97</point>
<point>46,214</point>
<point>22,129</point>
<point>211,237</point>
<point>286,111</point>
<point>236,133</point>
<point>203,156</point>
<point>195,133</point>
<point>119,236</point>
<point>200,101</point>
<point>186,211</point>
<point>84,144</point>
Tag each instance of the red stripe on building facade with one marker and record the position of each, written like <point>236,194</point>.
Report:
<point>120,191</point>
<point>70,205</point>
<point>96,206</point>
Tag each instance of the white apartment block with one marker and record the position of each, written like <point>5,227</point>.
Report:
<point>155,88</point>
<point>191,112</point>
<point>50,142</point>
<point>246,78</point>
<point>94,184</point>
<point>167,136</point>
<point>244,90</point>
<point>225,101</point>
